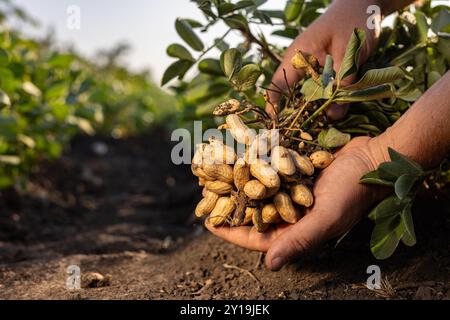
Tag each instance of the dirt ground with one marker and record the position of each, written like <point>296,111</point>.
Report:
<point>120,208</point>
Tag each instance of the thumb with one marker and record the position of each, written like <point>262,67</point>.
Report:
<point>306,234</point>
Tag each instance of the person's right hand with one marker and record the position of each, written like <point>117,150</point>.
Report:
<point>329,34</point>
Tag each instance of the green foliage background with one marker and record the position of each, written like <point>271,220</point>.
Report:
<point>48,96</point>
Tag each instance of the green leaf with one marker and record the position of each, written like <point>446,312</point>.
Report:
<point>422,26</point>
<point>412,166</point>
<point>350,63</point>
<point>333,138</point>
<point>375,93</point>
<point>247,77</point>
<point>409,237</point>
<point>221,44</point>
<point>231,62</point>
<point>178,51</point>
<point>61,60</point>
<point>289,33</point>
<point>293,9</point>
<point>392,170</point>
<point>441,23</point>
<point>225,8</point>
<point>377,77</point>
<point>404,185</point>
<point>389,207</point>
<point>4,57</point>
<point>312,90</point>
<point>210,66</point>
<point>237,21</point>
<point>176,69</point>
<point>194,23</point>
<point>373,177</point>
<point>386,236</point>
<point>186,33</point>
<point>328,71</point>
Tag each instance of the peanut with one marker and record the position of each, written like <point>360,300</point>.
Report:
<point>206,205</point>
<point>281,161</point>
<point>270,192</point>
<point>227,107</point>
<point>270,214</point>
<point>321,159</point>
<point>241,173</point>
<point>218,153</point>
<point>285,207</point>
<point>222,172</point>
<point>303,164</point>
<point>219,187</point>
<point>257,219</point>
<point>198,172</point>
<point>306,136</point>
<point>262,171</point>
<point>301,195</point>
<point>255,190</point>
<point>222,210</point>
<point>263,143</point>
<point>240,132</point>
<point>201,182</point>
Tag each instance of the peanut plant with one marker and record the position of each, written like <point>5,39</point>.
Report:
<point>242,189</point>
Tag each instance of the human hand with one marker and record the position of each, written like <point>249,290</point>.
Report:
<point>340,201</point>
<point>329,34</point>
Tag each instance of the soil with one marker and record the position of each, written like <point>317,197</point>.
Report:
<point>122,212</point>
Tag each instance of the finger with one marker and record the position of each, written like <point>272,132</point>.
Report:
<point>306,234</point>
<point>246,236</point>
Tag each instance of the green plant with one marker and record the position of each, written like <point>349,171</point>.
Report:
<point>413,53</point>
<point>47,96</point>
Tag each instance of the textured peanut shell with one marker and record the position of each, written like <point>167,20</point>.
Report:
<point>321,159</point>
<point>258,220</point>
<point>302,163</point>
<point>255,190</point>
<point>281,161</point>
<point>301,195</point>
<point>270,214</point>
<point>241,173</point>
<point>240,132</point>
<point>222,211</point>
<point>222,172</point>
<point>262,171</point>
<point>286,208</point>
<point>206,205</point>
<point>219,187</point>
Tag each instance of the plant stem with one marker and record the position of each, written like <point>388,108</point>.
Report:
<point>318,111</point>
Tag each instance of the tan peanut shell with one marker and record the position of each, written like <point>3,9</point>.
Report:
<point>223,209</point>
<point>301,195</point>
<point>263,143</point>
<point>219,187</point>
<point>222,172</point>
<point>241,173</point>
<point>218,153</point>
<point>255,190</point>
<point>286,208</point>
<point>207,204</point>
<point>302,163</point>
<point>248,216</point>
<point>201,182</point>
<point>227,107</point>
<point>321,159</point>
<point>281,161</point>
<point>264,172</point>
<point>306,136</point>
<point>197,159</point>
<point>240,132</point>
<point>270,214</point>
<point>198,172</point>
<point>258,220</point>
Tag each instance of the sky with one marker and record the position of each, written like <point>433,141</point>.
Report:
<point>147,25</point>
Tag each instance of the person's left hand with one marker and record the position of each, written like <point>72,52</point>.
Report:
<point>340,201</point>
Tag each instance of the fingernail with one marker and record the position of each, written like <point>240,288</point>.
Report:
<point>277,263</point>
